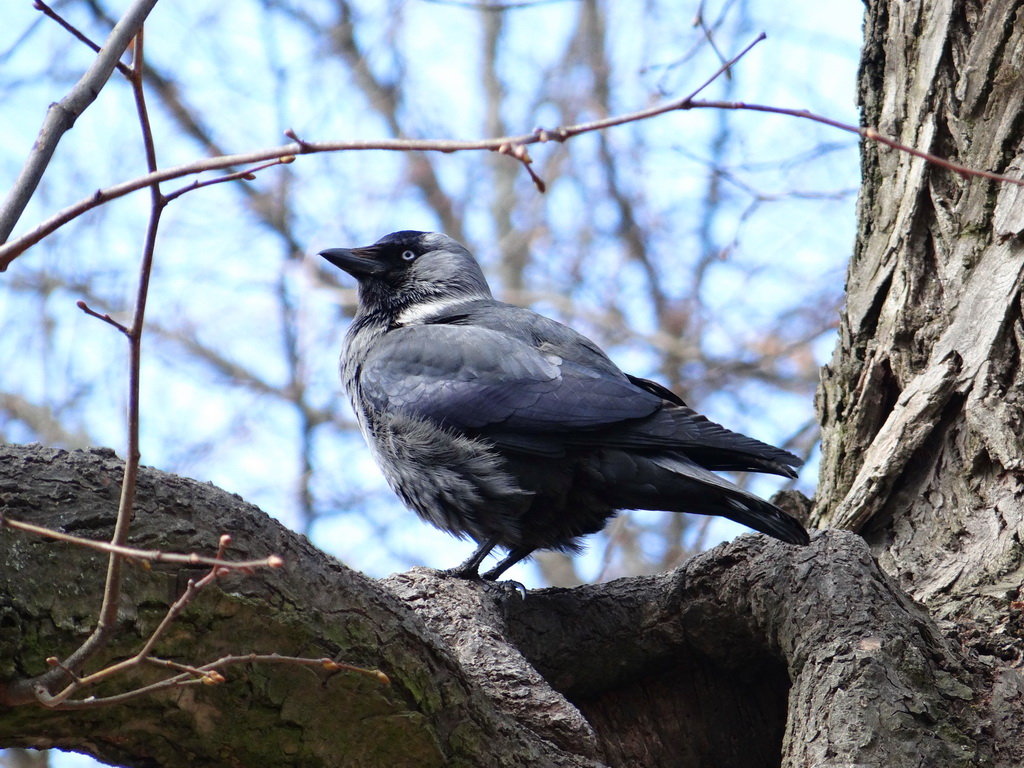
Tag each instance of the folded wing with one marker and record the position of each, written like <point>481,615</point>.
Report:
<point>526,397</point>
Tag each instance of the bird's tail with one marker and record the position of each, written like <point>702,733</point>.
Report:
<point>679,429</point>
<point>731,501</point>
<point>673,482</point>
<point>765,517</point>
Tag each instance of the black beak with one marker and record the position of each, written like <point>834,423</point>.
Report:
<point>358,262</point>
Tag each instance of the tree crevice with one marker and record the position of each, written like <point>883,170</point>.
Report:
<point>754,643</point>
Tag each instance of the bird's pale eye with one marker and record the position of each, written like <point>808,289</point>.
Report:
<point>408,255</point>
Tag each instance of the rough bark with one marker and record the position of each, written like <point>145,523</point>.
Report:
<point>922,406</point>
<point>748,653</point>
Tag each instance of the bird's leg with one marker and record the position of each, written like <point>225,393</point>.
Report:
<point>470,569</point>
<point>513,557</point>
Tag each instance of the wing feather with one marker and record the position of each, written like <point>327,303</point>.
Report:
<point>478,379</point>
<point>541,390</point>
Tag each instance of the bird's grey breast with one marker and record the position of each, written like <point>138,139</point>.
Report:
<point>360,340</point>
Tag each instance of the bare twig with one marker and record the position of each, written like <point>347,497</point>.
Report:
<point>107,618</point>
<point>726,66</point>
<point>246,175</point>
<point>11,250</point>
<point>188,674</point>
<point>207,674</point>
<point>699,21</point>
<point>77,33</point>
<point>104,317</point>
<point>867,132</point>
<point>112,588</point>
<point>62,114</point>
<point>191,590</point>
<point>143,555</point>
<point>518,151</point>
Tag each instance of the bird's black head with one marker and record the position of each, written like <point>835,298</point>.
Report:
<point>405,272</point>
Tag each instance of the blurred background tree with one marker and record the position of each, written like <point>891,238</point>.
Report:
<point>704,249</point>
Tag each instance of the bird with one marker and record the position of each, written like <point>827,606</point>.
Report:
<point>496,423</point>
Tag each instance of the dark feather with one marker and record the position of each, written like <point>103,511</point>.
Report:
<point>495,422</point>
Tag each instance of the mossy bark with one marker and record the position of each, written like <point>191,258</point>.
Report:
<point>754,654</point>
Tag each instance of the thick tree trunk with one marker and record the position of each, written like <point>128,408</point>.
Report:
<point>922,407</point>
<point>754,654</point>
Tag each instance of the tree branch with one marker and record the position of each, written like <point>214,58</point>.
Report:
<point>740,643</point>
<point>315,609</point>
<point>506,144</point>
<point>63,114</point>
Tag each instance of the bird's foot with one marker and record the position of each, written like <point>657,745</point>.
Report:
<point>470,573</point>
<point>506,588</point>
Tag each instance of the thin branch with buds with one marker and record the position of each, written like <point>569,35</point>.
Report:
<point>62,114</point>
<point>207,674</point>
<point>506,145</point>
<point>106,318</point>
<point>66,672</point>
<point>141,555</point>
<point>112,588</point>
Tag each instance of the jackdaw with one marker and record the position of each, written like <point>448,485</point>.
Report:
<point>496,423</point>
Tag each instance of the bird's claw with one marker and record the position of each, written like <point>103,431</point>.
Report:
<point>505,588</point>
